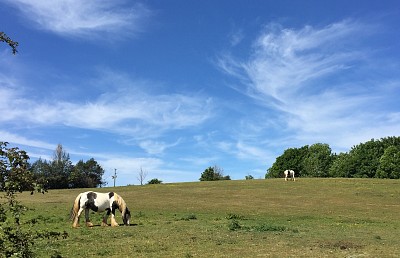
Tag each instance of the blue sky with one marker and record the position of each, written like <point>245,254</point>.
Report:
<point>173,87</point>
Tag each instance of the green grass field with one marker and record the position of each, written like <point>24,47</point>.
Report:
<point>253,218</point>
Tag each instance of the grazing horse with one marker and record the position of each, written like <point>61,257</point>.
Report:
<point>99,202</point>
<point>289,173</point>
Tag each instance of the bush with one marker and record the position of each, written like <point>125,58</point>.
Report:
<point>154,181</point>
<point>234,225</point>
<point>213,174</point>
<point>249,177</point>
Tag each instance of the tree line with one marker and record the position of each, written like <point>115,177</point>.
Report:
<point>60,173</point>
<point>372,159</point>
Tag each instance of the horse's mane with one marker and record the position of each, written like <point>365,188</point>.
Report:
<point>121,203</point>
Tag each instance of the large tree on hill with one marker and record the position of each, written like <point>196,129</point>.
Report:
<point>366,157</point>
<point>60,173</point>
<point>389,163</point>
<point>60,169</point>
<point>318,160</point>
<point>342,166</point>
<point>86,175</point>
<point>291,158</point>
<point>41,171</point>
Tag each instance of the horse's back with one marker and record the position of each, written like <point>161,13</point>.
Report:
<point>103,201</point>
<point>98,201</point>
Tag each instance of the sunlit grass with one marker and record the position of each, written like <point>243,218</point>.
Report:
<point>306,218</point>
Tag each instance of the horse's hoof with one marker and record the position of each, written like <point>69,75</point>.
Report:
<point>104,224</point>
<point>89,224</point>
<point>114,225</point>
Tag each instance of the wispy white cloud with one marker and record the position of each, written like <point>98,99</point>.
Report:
<point>310,77</point>
<point>198,160</point>
<point>246,151</point>
<point>236,37</point>
<point>125,108</point>
<point>156,147</point>
<point>84,19</point>
<point>284,62</point>
<point>21,140</point>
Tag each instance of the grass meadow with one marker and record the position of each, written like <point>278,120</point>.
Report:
<point>249,218</point>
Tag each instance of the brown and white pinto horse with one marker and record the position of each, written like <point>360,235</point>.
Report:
<point>99,202</point>
<point>289,173</point>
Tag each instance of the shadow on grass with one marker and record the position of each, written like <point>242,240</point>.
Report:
<point>109,225</point>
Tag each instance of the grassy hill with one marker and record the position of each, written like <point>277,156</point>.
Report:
<point>265,218</point>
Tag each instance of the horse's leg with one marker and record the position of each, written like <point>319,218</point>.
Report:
<point>113,221</point>
<point>76,220</point>
<point>104,222</point>
<point>88,223</point>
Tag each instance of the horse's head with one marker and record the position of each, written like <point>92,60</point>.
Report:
<point>126,217</point>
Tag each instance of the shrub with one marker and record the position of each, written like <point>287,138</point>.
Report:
<point>154,181</point>
<point>234,225</point>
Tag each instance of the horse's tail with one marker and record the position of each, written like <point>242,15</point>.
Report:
<point>75,207</point>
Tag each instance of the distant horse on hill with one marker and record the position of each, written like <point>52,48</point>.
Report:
<point>290,174</point>
<point>99,202</point>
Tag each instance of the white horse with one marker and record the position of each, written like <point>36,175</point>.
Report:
<point>289,173</point>
<point>99,202</point>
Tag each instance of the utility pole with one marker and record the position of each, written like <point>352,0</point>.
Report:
<point>115,175</point>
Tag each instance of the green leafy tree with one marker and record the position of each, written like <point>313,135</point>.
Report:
<point>15,240</point>
<point>318,160</point>
<point>249,177</point>
<point>60,173</point>
<point>291,158</point>
<point>60,169</point>
<point>342,166</point>
<point>363,160</point>
<point>86,175</point>
<point>366,156</point>
<point>389,163</point>
<point>54,174</point>
<point>154,181</point>
<point>14,173</point>
<point>213,174</point>
<point>41,170</point>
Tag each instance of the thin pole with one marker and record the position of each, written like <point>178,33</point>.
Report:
<point>115,175</point>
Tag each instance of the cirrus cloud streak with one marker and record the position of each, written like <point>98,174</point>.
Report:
<point>310,76</point>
